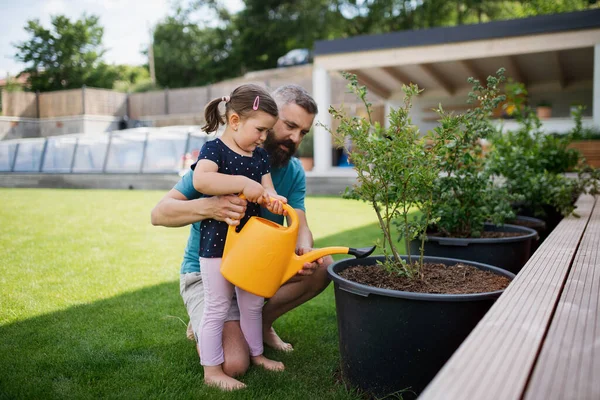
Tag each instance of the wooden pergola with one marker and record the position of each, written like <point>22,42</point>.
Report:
<point>557,54</point>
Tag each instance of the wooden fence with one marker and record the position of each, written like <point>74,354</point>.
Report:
<point>61,103</point>
<point>19,104</point>
<point>190,101</point>
<point>104,102</point>
<point>65,103</point>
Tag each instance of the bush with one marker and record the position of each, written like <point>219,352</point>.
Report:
<point>396,169</point>
<point>465,195</point>
<point>532,163</point>
<point>579,132</point>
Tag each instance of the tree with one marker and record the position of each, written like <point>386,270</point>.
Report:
<point>132,79</point>
<point>187,54</point>
<point>203,43</point>
<point>267,29</point>
<point>66,56</point>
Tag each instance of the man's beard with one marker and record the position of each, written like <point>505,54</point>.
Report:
<point>279,157</point>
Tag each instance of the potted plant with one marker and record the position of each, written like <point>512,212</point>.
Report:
<point>544,109</point>
<point>306,151</point>
<point>585,140</point>
<point>469,207</point>
<point>532,165</point>
<point>399,320</point>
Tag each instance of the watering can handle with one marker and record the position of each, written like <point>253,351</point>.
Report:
<point>289,209</point>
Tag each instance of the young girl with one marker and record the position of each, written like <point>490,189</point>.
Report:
<point>233,164</point>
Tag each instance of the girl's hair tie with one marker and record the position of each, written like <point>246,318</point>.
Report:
<point>226,99</point>
<point>256,102</point>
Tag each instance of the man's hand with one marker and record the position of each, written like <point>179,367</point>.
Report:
<point>229,208</point>
<point>309,267</point>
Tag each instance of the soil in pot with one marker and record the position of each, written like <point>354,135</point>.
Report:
<point>439,278</point>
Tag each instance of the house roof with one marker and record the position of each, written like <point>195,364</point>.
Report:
<point>491,30</point>
<point>556,50</point>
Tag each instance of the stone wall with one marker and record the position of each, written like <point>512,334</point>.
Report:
<point>17,128</point>
<point>315,184</point>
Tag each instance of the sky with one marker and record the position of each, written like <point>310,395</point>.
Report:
<point>126,25</point>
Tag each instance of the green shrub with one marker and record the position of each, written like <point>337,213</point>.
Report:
<point>579,132</point>
<point>532,162</point>
<point>465,195</point>
<point>396,169</point>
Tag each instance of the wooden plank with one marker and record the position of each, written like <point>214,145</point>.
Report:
<point>569,364</point>
<point>372,85</point>
<point>560,70</point>
<point>515,70</point>
<point>400,76</point>
<point>495,361</point>
<point>473,71</point>
<point>438,78</point>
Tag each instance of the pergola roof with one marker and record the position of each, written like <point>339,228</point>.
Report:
<point>554,49</point>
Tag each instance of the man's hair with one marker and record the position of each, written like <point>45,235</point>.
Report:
<point>294,94</point>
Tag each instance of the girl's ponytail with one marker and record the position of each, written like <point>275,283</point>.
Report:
<point>212,116</point>
<point>244,100</point>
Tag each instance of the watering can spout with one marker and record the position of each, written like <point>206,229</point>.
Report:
<point>362,252</point>
<point>299,261</point>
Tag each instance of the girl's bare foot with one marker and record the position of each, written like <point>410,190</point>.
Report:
<point>214,376</point>
<point>264,362</point>
<point>273,340</point>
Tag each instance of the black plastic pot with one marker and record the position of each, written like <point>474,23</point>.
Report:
<point>392,340</point>
<point>534,223</point>
<point>547,213</point>
<point>509,253</point>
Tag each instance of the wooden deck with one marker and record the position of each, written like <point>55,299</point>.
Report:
<point>541,339</point>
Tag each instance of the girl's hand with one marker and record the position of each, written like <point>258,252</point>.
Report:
<point>274,202</point>
<point>253,191</point>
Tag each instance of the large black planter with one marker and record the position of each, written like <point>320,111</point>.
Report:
<point>509,253</point>
<point>534,223</point>
<point>392,340</point>
<point>547,213</point>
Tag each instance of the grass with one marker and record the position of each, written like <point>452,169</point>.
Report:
<point>90,305</point>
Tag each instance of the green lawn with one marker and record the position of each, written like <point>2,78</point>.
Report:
<point>90,306</point>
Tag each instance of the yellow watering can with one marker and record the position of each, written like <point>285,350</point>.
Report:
<point>261,256</point>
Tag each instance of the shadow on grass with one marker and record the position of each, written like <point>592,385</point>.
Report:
<point>134,346</point>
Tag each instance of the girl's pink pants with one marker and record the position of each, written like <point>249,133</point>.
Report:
<point>218,294</point>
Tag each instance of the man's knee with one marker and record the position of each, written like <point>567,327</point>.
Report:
<point>235,349</point>
<point>236,366</point>
<point>319,280</point>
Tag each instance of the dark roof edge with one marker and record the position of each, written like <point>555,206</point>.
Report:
<point>491,30</point>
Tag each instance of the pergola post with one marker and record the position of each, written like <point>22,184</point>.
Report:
<point>596,96</point>
<point>322,138</point>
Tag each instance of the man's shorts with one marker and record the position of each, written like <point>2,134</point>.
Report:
<point>192,292</point>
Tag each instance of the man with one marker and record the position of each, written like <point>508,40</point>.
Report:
<point>183,205</point>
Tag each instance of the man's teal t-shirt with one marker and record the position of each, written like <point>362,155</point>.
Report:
<point>289,181</point>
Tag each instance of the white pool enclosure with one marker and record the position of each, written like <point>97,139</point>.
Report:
<point>140,150</point>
